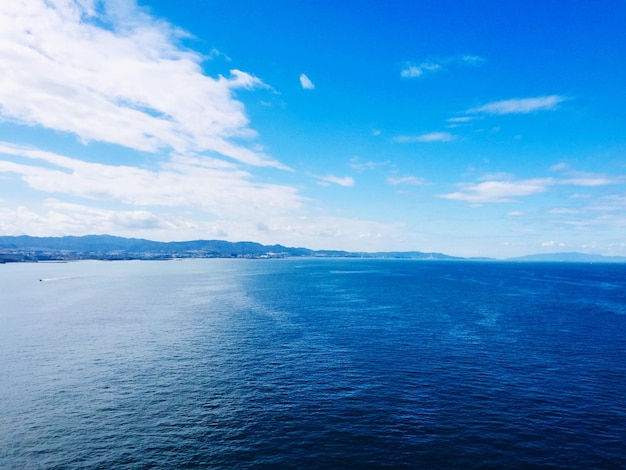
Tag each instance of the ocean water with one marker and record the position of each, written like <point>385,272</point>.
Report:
<point>309,363</point>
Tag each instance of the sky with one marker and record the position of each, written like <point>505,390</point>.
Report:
<point>482,128</point>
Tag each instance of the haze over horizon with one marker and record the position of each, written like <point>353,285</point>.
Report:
<point>483,129</point>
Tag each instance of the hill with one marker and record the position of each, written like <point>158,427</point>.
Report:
<point>107,247</point>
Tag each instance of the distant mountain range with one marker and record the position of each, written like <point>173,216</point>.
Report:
<point>107,247</point>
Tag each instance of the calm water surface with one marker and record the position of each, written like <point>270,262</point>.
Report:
<point>306,363</point>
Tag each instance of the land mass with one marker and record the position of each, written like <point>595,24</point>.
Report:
<point>106,247</point>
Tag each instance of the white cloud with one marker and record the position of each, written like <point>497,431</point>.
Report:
<point>346,181</point>
<point>430,137</point>
<point>214,185</point>
<point>502,187</point>
<point>563,211</point>
<point>306,83</point>
<point>462,119</point>
<point>409,180</point>
<point>559,166</point>
<point>103,219</point>
<point>592,181</point>
<point>519,106</point>
<point>356,164</point>
<point>580,178</point>
<point>59,218</point>
<point>585,178</point>
<point>471,60</point>
<point>609,203</point>
<point>552,243</point>
<point>413,70</point>
<point>499,191</point>
<point>128,83</point>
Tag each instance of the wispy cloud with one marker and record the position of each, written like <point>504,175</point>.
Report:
<point>358,165</point>
<point>610,203</point>
<point>519,105</point>
<point>216,186</point>
<point>563,211</point>
<point>504,187</point>
<point>116,75</point>
<point>306,82</point>
<point>415,70</point>
<point>408,180</point>
<point>499,191</point>
<point>458,120</point>
<point>552,244</point>
<point>345,181</point>
<point>585,178</point>
<point>470,60</point>
<point>593,180</point>
<point>429,137</point>
<point>462,121</point>
<point>559,166</point>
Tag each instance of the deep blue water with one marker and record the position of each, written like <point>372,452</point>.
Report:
<point>306,363</point>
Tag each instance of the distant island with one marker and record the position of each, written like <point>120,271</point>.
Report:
<point>570,257</point>
<point>106,247</point>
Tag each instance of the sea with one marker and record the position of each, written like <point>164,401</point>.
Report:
<point>312,363</point>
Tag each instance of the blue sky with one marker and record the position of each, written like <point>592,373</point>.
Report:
<point>482,128</point>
